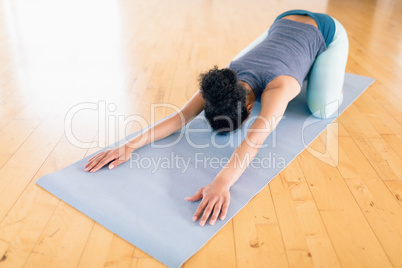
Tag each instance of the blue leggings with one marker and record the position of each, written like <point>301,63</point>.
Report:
<point>325,82</point>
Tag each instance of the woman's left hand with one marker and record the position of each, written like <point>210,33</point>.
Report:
<point>215,196</point>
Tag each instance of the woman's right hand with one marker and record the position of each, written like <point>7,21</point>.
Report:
<point>118,155</point>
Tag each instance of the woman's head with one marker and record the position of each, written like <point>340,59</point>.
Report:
<point>225,99</point>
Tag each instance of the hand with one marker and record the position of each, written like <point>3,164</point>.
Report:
<point>119,155</point>
<point>215,196</point>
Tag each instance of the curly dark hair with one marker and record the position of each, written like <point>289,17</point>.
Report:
<point>225,99</point>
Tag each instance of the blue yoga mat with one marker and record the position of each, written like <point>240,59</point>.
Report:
<point>142,201</point>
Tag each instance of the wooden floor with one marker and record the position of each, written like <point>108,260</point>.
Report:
<point>341,209</point>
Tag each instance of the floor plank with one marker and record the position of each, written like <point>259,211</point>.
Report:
<point>373,197</point>
<point>257,234</point>
<point>352,237</point>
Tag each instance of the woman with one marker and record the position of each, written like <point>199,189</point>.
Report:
<point>299,45</point>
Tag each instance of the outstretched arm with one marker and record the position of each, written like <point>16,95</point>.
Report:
<point>216,196</point>
<point>156,132</point>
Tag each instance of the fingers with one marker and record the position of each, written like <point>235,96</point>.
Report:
<point>99,161</point>
<point>93,159</point>
<point>97,155</point>
<point>120,155</point>
<point>195,197</point>
<point>214,207</point>
<point>89,166</point>
<point>199,210</point>
<point>225,209</point>
<point>102,162</point>
<point>215,214</point>
<point>206,213</point>
<point>210,206</point>
<point>117,163</point>
<point>217,206</point>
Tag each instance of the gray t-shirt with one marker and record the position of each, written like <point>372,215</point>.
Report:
<point>289,49</point>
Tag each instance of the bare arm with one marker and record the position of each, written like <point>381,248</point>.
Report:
<point>216,196</point>
<point>170,123</point>
<point>274,101</point>
<point>156,132</point>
